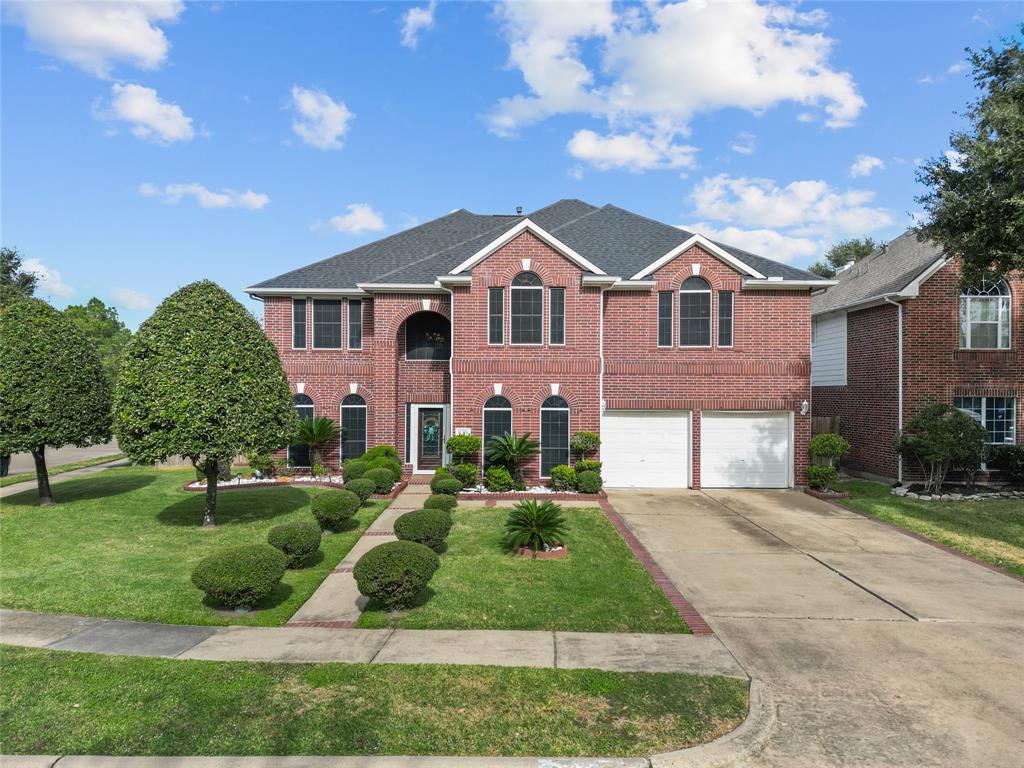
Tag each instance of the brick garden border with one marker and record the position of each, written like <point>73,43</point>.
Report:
<point>314,483</point>
<point>827,495</point>
<point>516,495</point>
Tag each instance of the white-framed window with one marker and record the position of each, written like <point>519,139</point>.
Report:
<point>298,455</point>
<point>985,316</point>
<point>353,427</point>
<point>326,324</point>
<point>695,312</point>
<point>355,323</point>
<point>665,319</point>
<point>496,316</point>
<point>725,315</point>
<point>997,414</point>
<point>527,309</point>
<point>554,434</point>
<point>497,422</point>
<point>556,316</point>
<point>298,323</point>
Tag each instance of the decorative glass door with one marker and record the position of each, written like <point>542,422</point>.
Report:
<point>431,438</point>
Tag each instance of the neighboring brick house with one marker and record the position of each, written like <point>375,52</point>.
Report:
<point>691,358</point>
<point>962,348</point>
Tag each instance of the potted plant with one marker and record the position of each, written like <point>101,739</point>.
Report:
<point>512,450</point>
<point>534,529</point>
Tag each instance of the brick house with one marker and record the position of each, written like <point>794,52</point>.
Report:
<point>689,357</point>
<point>897,333</point>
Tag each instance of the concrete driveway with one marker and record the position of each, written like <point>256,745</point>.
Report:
<point>880,650</point>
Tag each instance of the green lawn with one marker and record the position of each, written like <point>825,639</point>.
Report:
<point>55,702</point>
<point>991,530</point>
<point>122,544</point>
<point>21,477</point>
<point>598,587</point>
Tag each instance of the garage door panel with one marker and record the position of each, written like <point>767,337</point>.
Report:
<point>645,449</point>
<point>745,450</point>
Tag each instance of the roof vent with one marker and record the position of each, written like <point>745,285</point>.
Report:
<point>519,210</point>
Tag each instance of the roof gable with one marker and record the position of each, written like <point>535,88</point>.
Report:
<point>526,225</point>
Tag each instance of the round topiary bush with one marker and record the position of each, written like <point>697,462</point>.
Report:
<point>588,482</point>
<point>498,479</point>
<point>332,509</point>
<point>821,476</point>
<point>297,540</point>
<point>353,469</point>
<point>383,479</point>
<point>446,484</point>
<point>394,573</point>
<point>429,527</point>
<point>362,487</point>
<point>441,501</point>
<point>382,451</point>
<point>241,576</point>
<point>391,466</point>
<point>563,478</point>
<point>466,473</point>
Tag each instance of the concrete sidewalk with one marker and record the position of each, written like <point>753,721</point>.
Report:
<point>31,485</point>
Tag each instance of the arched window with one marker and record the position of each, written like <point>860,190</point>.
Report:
<point>527,309</point>
<point>695,313</point>
<point>497,421</point>
<point>298,455</point>
<point>353,427</point>
<point>985,316</point>
<point>554,434</point>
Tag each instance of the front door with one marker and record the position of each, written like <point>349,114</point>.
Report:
<point>431,438</point>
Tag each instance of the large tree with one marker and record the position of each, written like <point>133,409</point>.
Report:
<point>15,283</point>
<point>200,379</point>
<point>52,388</point>
<point>975,198</point>
<point>101,325</point>
<point>842,253</point>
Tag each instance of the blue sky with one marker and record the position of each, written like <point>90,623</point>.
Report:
<point>149,145</point>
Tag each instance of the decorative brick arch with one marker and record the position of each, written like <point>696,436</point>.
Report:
<point>314,393</point>
<point>362,390</point>
<point>408,310</point>
<point>564,392</point>
<point>512,394</point>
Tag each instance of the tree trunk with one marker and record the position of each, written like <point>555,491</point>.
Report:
<point>209,520</point>
<point>42,477</point>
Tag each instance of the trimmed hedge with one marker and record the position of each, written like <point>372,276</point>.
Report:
<point>297,540</point>
<point>588,482</point>
<point>466,473</point>
<point>396,572</point>
<point>441,501</point>
<point>332,509</point>
<point>821,476</point>
<point>588,465</point>
<point>353,469</point>
<point>362,487</point>
<point>382,451</point>
<point>429,527</point>
<point>446,484</point>
<point>498,479</point>
<point>240,576</point>
<point>563,478</point>
<point>391,466</point>
<point>383,479</point>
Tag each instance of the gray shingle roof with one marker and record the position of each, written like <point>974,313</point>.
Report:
<point>886,271</point>
<point>618,241</point>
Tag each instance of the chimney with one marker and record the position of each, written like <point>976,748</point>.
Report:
<point>519,210</point>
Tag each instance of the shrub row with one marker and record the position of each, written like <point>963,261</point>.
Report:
<point>585,477</point>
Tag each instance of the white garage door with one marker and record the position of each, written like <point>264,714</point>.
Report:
<point>745,450</point>
<point>645,449</point>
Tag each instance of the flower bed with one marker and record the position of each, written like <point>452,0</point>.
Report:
<point>334,481</point>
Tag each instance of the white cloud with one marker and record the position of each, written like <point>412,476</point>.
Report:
<point>764,242</point>
<point>149,117</point>
<point>131,299</point>
<point>658,66</point>
<point>414,21</point>
<point>321,121</point>
<point>360,218</point>
<point>864,165</point>
<point>226,198</point>
<point>745,143</point>
<point>97,36</point>
<point>631,151</point>
<point>952,69</point>
<point>955,159</point>
<point>50,282</point>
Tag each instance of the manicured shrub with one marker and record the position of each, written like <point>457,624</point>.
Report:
<point>353,469</point>
<point>563,478</point>
<point>830,446</point>
<point>394,573</point>
<point>390,465</point>
<point>940,438</point>
<point>332,509</point>
<point>446,484</point>
<point>429,527</point>
<point>297,540</point>
<point>588,482</point>
<point>588,465</point>
<point>537,526</point>
<point>362,487</point>
<point>1009,459</point>
<point>260,462</point>
<point>466,473</point>
<point>498,479</point>
<point>441,501</point>
<point>462,446</point>
<point>585,443</point>
<point>512,450</point>
<point>284,468</point>
<point>240,576</point>
<point>821,476</point>
<point>383,479</point>
<point>382,451</point>
<point>319,470</point>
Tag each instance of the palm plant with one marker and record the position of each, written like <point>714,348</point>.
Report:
<point>512,450</point>
<point>315,433</point>
<point>535,526</point>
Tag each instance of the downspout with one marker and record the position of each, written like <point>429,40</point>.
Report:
<point>451,363</point>
<point>600,355</point>
<point>899,384</point>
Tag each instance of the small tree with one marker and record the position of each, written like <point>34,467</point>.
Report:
<point>512,450</point>
<point>463,447</point>
<point>52,388</point>
<point>584,444</point>
<point>941,438</point>
<point>316,433</point>
<point>101,326</point>
<point>200,379</point>
<point>840,254</point>
<point>15,283</point>
<point>829,446</point>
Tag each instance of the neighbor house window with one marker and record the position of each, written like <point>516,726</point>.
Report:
<point>556,316</point>
<point>427,337</point>
<point>355,324</point>
<point>725,318</point>
<point>527,307</point>
<point>695,312</point>
<point>997,414</point>
<point>326,324</point>
<point>497,421</point>
<point>298,455</point>
<point>353,427</point>
<point>554,434</point>
<point>495,315</point>
<point>298,323</point>
<point>665,319</point>
<point>985,316</point>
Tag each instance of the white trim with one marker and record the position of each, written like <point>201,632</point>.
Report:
<point>320,293</point>
<point>307,305</point>
<point>526,288</point>
<point>1005,306</point>
<point>732,320</point>
<point>914,287</point>
<point>778,284</point>
<point>564,315</point>
<point>671,320</point>
<point>711,316</point>
<point>708,246</point>
<point>444,280</point>
<point>911,291</point>
<point>414,440</point>
<point>526,226</point>
<point>400,288</point>
<point>599,280</point>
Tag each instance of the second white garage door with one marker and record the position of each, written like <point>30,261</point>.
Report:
<point>745,450</point>
<point>645,449</point>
